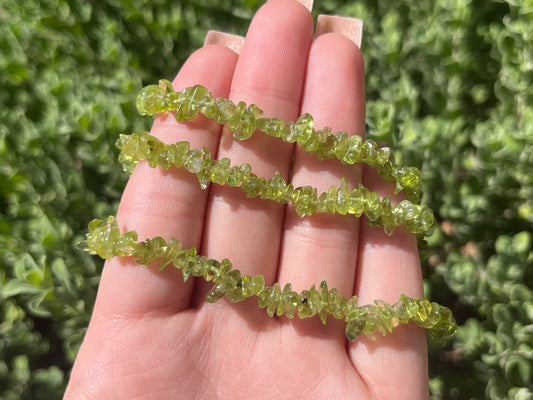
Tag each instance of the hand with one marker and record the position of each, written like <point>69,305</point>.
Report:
<point>154,336</point>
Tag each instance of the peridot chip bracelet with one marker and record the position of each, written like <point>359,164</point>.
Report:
<point>106,240</point>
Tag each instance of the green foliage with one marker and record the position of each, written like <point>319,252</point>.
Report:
<point>448,86</point>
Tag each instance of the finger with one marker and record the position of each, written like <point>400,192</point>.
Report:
<point>166,203</point>
<point>324,246</point>
<point>395,365</point>
<point>270,73</point>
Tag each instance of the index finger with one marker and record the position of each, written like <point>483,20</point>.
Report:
<point>164,203</point>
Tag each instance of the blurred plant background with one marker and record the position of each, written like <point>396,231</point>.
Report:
<point>448,86</point>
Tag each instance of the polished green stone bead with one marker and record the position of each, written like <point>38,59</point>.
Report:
<point>409,310</point>
<point>372,206</point>
<point>102,237</point>
<point>286,196</point>
<point>305,134</point>
<point>246,285</point>
<point>184,261</point>
<point>223,110</point>
<point>410,178</point>
<point>225,285</point>
<point>413,218</point>
<point>258,284</point>
<point>238,174</point>
<point>325,203</point>
<point>370,323</point>
<point>386,170</point>
<point>400,308</point>
<point>424,309</point>
<point>156,248</point>
<point>247,124</point>
<point>263,297</point>
<point>398,215</point>
<point>236,294</point>
<point>304,200</point>
<point>234,176</point>
<point>193,161</point>
<point>387,219</point>
<point>324,301</point>
<point>167,85</point>
<point>239,292</point>
<point>352,304</point>
<point>180,152</point>
<point>197,269</point>
<point>126,244</point>
<point>207,105</point>
<point>154,148</point>
<point>166,159</point>
<point>252,286</point>
<point>271,126</point>
<point>387,315</point>
<point>306,306</point>
<point>339,307</point>
<point>328,144</point>
<point>225,267</point>
<point>211,270</point>
<point>369,152</point>
<point>280,310</point>
<point>174,100</point>
<point>356,202</point>
<point>204,175</point>
<point>290,301</point>
<point>383,156</point>
<point>353,150</point>
<point>439,339</point>
<point>414,194</point>
<point>342,203</point>
<point>342,144</point>
<point>183,257</point>
<point>151,100</point>
<point>128,145</point>
<point>191,104</point>
<point>253,185</point>
<point>274,299</point>
<point>434,316</point>
<point>354,313</point>
<point>428,219</point>
<point>236,116</point>
<point>220,170</point>
<point>275,188</point>
<point>142,146</point>
<point>289,132</point>
<point>354,328</point>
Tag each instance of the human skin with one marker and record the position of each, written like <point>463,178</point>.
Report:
<point>152,336</point>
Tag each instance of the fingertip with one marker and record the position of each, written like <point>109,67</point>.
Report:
<point>211,66</point>
<point>352,28</point>
<point>233,42</point>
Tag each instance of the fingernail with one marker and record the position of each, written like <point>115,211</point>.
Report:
<point>352,28</point>
<point>307,4</point>
<point>234,42</point>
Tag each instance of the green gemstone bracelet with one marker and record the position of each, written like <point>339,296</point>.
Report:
<point>244,120</point>
<point>106,240</point>
<point>418,219</point>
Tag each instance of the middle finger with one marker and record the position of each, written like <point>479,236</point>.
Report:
<point>270,73</point>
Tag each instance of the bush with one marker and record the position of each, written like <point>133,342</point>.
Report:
<point>448,86</point>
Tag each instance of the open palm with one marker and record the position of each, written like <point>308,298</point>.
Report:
<point>152,336</point>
